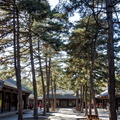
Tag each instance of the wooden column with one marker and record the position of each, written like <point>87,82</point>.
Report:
<point>68,103</point>
<point>3,102</point>
<point>60,103</point>
<point>27,101</point>
<point>16,101</point>
<point>10,98</point>
<point>25,98</point>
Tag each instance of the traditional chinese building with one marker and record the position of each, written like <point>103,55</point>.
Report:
<point>9,96</point>
<point>103,99</point>
<point>64,98</point>
<point>31,100</point>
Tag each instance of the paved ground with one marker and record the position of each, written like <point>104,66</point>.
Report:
<point>61,114</point>
<point>67,114</point>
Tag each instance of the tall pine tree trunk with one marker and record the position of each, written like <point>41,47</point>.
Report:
<point>33,73</point>
<point>80,104</point>
<point>83,90</point>
<point>90,103</point>
<point>86,105</point>
<point>92,92</point>
<point>77,99</point>
<point>17,59</point>
<point>47,82</point>
<point>110,53</point>
<point>19,86</point>
<point>49,77</point>
<point>42,78</point>
<point>52,99</point>
<point>54,93</point>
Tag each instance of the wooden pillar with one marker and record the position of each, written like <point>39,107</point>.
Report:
<point>68,103</point>
<point>16,101</point>
<point>60,103</point>
<point>103,103</point>
<point>10,98</point>
<point>3,102</point>
<point>116,104</point>
<point>23,101</point>
<point>26,101</point>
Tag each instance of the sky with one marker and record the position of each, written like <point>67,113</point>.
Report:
<point>53,3</point>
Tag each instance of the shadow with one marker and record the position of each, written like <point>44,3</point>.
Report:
<point>39,118</point>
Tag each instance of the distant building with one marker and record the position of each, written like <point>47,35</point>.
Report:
<point>64,98</point>
<point>31,100</point>
<point>103,99</point>
<point>9,96</point>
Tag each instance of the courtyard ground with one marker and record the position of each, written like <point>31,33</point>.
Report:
<point>60,114</point>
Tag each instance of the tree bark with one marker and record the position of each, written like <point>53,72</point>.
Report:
<point>110,53</point>
<point>92,92</point>
<point>19,86</point>
<point>80,103</point>
<point>52,98</point>
<point>49,77</point>
<point>42,78</point>
<point>17,60</point>
<point>83,89</point>
<point>90,103</point>
<point>77,100</point>
<point>33,74</point>
<point>86,106</point>
<point>47,82</point>
<point>54,93</point>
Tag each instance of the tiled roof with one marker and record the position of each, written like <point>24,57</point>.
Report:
<point>104,94</point>
<point>11,83</point>
<point>61,93</point>
<point>31,96</point>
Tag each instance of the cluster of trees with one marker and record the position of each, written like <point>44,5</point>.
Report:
<point>32,37</point>
<point>96,38</point>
